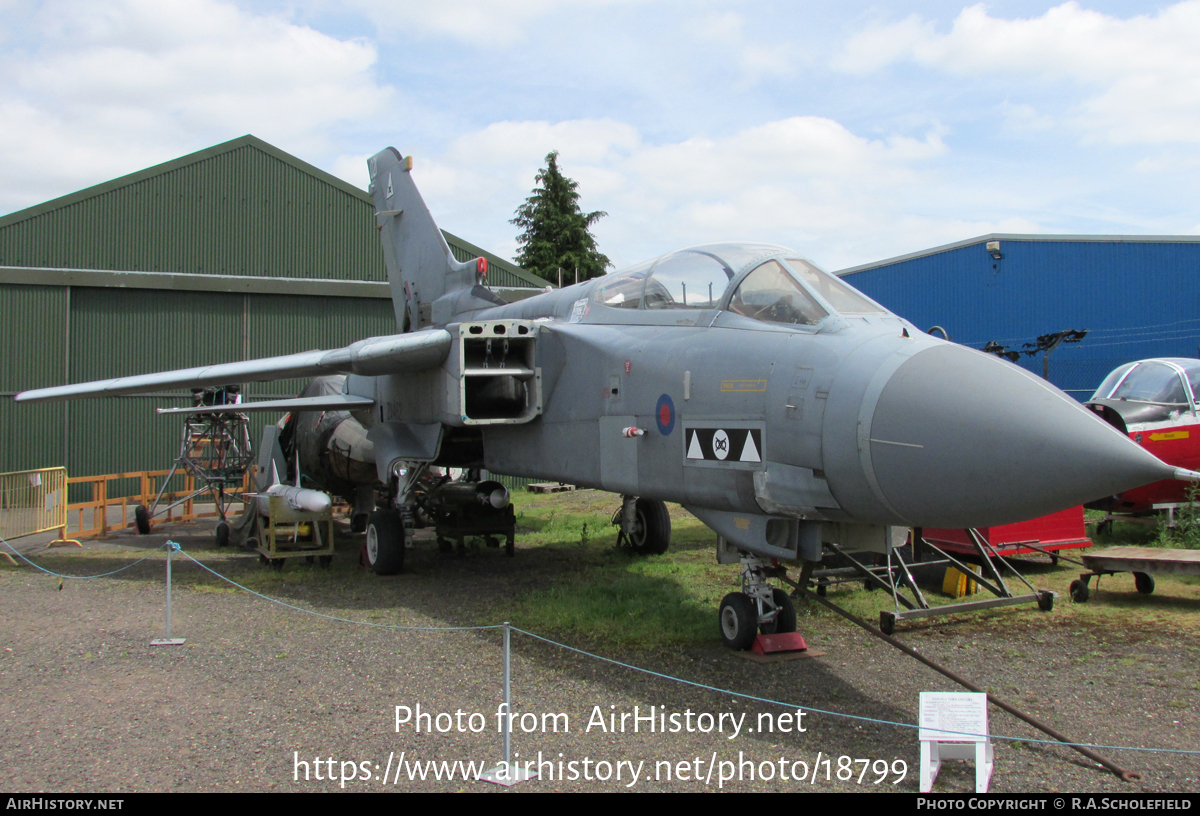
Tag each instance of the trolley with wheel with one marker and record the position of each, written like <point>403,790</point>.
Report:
<point>1141,561</point>
<point>287,533</point>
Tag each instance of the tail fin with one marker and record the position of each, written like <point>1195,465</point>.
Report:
<point>421,270</point>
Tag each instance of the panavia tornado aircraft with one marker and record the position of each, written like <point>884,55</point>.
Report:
<point>776,403</point>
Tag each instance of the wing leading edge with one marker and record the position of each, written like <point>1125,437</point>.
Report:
<point>333,402</point>
<point>376,355</point>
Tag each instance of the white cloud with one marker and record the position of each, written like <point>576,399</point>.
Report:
<point>113,88</point>
<point>756,60</point>
<point>486,23</point>
<point>881,44</point>
<point>1134,80</point>
<point>804,180</point>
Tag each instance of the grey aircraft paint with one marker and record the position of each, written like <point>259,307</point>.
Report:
<point>775,402</point>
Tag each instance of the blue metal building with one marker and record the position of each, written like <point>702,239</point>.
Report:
<point>1138,297</point>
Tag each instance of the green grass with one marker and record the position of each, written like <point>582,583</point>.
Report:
<point>607,595</point>
<point>569,581</point>
<point>1186,532</point>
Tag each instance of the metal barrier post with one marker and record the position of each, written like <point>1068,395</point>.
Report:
<point>507,694</point>
<point>507,773</point>
<point>168,640</point>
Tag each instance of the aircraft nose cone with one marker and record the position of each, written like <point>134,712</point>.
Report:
<point>959,438</point>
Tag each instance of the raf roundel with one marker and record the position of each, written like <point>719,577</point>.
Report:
<point>664,414</point>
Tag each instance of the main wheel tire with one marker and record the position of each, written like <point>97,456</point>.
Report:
<point>222,534</point>
<point>785,621</point>
<point>1143,582</point>
<point>1079,592</point>
<point>739,621</point>
<point>1045,600</point>
<point>141,518</point>
<point>651,528</point>
<point>385,542</point>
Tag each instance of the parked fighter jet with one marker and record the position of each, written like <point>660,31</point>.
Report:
<point>776,403</point>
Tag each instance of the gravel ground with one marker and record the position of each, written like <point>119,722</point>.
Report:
<point>258,690</point>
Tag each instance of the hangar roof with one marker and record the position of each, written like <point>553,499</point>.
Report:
<point>242,208</point>
<point>1006,236</point>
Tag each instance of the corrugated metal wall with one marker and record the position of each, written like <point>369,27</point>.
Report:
<point>114,332</point>
<point>242,212</point>
<point>32,355</point>
<point>243,209</point>
<point>1138,299</point>
<point>289,324</point>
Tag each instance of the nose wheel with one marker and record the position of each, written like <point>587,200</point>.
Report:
<point>759,607</point>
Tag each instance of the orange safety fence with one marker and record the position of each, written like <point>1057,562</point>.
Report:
<point>91,517</point>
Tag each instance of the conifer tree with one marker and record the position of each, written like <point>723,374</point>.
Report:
<point>555,233</point>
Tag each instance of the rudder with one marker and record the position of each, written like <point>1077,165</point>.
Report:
<point>421,270</point>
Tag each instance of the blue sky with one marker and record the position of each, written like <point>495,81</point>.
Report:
<point>850,131</point>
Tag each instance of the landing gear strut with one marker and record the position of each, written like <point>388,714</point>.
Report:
<point>758,607</point>
<point>645,525</point>
<point>390,528</point>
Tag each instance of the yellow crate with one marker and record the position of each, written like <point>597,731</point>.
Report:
<point>956,584</point>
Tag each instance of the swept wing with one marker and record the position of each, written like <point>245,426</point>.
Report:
<point>376,355</point>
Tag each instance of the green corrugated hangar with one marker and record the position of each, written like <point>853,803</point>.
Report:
<point>235,252</point>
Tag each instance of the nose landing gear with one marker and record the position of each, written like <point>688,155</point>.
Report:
<point>759,607</point>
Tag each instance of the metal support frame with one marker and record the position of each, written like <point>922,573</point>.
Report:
<point>896,575</point>
<point>216,451</point>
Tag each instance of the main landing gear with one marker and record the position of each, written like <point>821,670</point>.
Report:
<point>388,526</point>
<point>759,607</point>
<point>645,525</point>
<point>385,542</point>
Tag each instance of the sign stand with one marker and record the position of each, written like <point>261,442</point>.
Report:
<point>954,726</point>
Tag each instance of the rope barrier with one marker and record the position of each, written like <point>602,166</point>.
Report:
<point>77,577</point>
<point>614,662</point>
<point>334,617</point>
<point>832,713</point>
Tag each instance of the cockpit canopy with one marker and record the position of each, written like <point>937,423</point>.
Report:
<point>1169,381</point>
<point>761,281</point>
